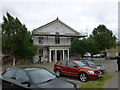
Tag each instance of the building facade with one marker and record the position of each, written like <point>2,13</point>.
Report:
<point>53,41</point>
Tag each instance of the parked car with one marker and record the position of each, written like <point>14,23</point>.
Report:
<point>87,55</point>
<point>77,69</point>
<point>99,55</point>
<point>96,56</point>
<point>90,63</point>
<point>32,78</point>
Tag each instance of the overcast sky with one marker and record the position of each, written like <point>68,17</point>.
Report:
<point>78,14</point>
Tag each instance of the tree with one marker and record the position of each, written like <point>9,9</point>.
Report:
<point>7,35</point>
<point>103,37</point>
<point>92,47</point>
<point>17,41</point>
<point>79,47</point>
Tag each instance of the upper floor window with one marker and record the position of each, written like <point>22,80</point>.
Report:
<point>57,38</point>
<point>40,40</point>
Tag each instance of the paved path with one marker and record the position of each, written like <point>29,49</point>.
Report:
<point>113,83</point>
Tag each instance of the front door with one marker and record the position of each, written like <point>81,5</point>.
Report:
<point>52,56</point>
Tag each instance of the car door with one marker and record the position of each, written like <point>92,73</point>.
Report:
<point>72,69</point>
<point>63,67</point>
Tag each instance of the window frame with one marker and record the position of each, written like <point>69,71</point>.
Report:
<point>40,40</point>
<point>57,38</point>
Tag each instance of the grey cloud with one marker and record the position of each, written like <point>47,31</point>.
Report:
<point>75,13</point>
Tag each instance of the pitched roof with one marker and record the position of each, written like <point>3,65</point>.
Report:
<point>56,20</point>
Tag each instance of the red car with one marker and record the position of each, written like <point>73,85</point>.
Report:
<point>77,69</point>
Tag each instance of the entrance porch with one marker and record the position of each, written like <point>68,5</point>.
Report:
<point>58,54</point>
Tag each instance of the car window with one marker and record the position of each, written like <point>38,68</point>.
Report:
<point>80,64</point>
<point>84,62</point>
<point>21,76</point>
<point>41,76</point>
<point>63,63</point>
<point>70,64</point>
<point>10,73</point>
<point>58,63</point>
<point>90,63</point>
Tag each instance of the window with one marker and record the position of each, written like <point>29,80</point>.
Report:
<point>70,64</point>
<point>10,73</point>
<point>63,63</point>
<point>41,76</point>
<point>40,40</point>
<point>84,62</point>
<point>21,76</point>
<point>79,63</point>
<point>41,52</point>
<point>90,63</point>
<point>57,38</point>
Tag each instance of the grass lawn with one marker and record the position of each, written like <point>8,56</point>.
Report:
<point>99,83</point>
<point>117,71</point>
<point>28,64</point>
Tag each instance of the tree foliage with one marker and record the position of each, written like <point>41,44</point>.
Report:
<point>85,45</point>
<point>17,41</point>
<point>104,37</point>
<point>100,40</point>
<point>79,47</point>
<point>92,46</point>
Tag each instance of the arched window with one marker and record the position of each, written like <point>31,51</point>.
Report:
<point>57,38</point>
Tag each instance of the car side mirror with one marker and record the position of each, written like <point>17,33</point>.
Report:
<point>26,82</point>
<point>75,66</point>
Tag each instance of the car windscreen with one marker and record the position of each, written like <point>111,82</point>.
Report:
<point>41,76</point>
<point>90,63</point>
<point>79,63</point>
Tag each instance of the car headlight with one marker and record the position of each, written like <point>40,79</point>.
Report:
<point>98,67</point>
<point>91,72</point>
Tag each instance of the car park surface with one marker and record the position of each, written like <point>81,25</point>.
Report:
<point>77,69</point>
<point>110,65</point>
<point>33,78</point>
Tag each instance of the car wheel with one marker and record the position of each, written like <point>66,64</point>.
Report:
<point>83,77</point>
<point>58,73</point>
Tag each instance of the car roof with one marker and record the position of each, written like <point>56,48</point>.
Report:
<point>27,68</point>
<point>69,60</point>
<point>85,60</point>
